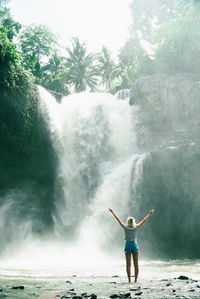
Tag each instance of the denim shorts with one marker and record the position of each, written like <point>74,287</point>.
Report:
<point>131,246</point>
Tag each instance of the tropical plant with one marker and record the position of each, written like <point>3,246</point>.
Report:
<point>178,42</point>
<point>81,67</point>
<point>36,43</point>
<point>12,27</point>
<point>54,75</point>
<point>107,68</point>
<point>148,15</point>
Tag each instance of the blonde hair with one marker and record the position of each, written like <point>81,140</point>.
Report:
<point>130,221</point>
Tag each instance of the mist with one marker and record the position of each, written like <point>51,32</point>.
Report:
<point>124,137</point>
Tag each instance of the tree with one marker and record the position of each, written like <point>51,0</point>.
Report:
<point>148,15</point>
<point>178,42</point>
<point>55,76</point>
<point>158,25</point>
<point>12,27</point>
<point>107,68</point>
<point>37,43</point>
<point>80,65</point>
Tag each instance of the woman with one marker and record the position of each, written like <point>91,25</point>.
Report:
<point>130,230</point>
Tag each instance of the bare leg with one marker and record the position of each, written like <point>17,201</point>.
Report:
<point>128,265</point>
<point>135,260</point>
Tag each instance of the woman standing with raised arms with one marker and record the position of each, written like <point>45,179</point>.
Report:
<point>131,247</point>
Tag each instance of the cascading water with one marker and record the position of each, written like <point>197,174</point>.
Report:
<point>95,139</point>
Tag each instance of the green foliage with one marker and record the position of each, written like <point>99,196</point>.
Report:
<point>133,62</point>
<point>37,43</point>
<point>171,30</point>
<point>12,27</point>
<point>147,15</point>
<point>178,42</point>
<point>54,76</point>
<point>27,160</point>
<point>82,72</point>
<point>107,69</point>
<point>18,106</point>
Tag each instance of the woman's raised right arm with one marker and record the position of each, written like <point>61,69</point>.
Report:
<point>116,217</point>
<point>145,218</point>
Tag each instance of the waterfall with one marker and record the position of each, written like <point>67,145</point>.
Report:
<point>94,135</point>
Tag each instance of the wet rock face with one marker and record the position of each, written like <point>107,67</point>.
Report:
<point>168,129</point>
<point>170,184</point>
<point>168,103</point>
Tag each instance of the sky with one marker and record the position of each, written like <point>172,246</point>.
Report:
<point>98,22</point>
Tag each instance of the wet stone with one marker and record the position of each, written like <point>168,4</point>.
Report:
<point>18,288</point>
<point>133,289</point>
<point>126,295</point>
<point>138,294</point>
<point>182,277</point>
<point>68,281</point>
<point>114,296</point>
<point>93,296</point>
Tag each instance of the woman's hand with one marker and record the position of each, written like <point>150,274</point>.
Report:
<point>151,211</point>
<point>110,210</point>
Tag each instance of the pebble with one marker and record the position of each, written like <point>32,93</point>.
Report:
<point>93,296</point>
<point>114,296</point>
<point>126,295</point>
<point>138,294</point>
<point>182,277</point>
<point>18,288</point>
<point>135,289</point>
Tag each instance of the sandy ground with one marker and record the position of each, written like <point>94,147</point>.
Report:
<point>58,286</point>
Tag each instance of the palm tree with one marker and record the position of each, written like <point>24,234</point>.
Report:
<point>54,76</point>
<point>107,68</point>
<point>81,69</point>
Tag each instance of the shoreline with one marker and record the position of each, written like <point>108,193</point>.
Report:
<point>101,287</point>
